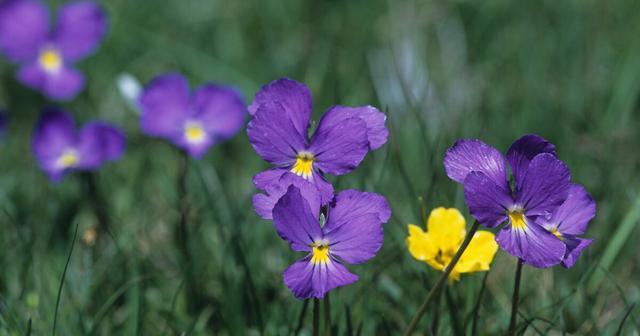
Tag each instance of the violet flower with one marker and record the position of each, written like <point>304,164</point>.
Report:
<point>541,185</point>
<point>59,148</point>
<point>193,122</point>
<point>279,131</point>
<point>352,234</point>
<point>46,56</point>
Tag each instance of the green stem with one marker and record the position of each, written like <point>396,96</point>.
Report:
<point>327,315</point>
<point>64,275</point>
<point>316,317</point>
<point>515,300</point>
<point>443,278</point>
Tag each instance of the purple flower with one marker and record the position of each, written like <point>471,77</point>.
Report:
<point>46,56</point>
<point>541,185</point>
<point>59,148</point>
<point>279,131</point>
<point>352,234</point>
<point>192,122</point>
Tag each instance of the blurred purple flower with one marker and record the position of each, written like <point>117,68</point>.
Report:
<point>59,148</point>
<point>352,234</point>
<point>193,122</point>
<point>542,184</point>
<point>279,131</point>
<point>46,56</point>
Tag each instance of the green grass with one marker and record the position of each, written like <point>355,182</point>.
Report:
<point>568,71</point>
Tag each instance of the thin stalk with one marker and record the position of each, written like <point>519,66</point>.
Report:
<point>64,275</point>
<point>476,309</point>
<point>441,281</point>
<point>316,317</point>
<point>436,315</point>
<point>327,315</point>
<point>303,312</point>
<point>98,203</point>
<point>515,300</point>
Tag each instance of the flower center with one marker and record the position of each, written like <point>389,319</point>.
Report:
<point>320,252</point>
<point>556,233</point>
<point>518,221</point>
<point>50,60</point>
<point>194,133</point>
<point>304,165</point>
<point>68,159</point>
<point>443,258</point>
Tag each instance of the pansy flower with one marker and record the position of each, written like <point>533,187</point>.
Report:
<point>263,203</point>
<point>46,56</point>
<point>192,121</point>
<point>445,232</point>
<point>279,132</point>
<point>352,234</point>
<point>541,183</point>
<point>60,148</point>
<point>570,220</point>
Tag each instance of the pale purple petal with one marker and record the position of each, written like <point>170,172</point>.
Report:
<point>488,202</point>
<point>523,150</point>
<point>357,240</point>
<point>294,221</point>
<point>31,75</point>
<point>54,134</point>
<point>351,204</point>
<point>308,280</point>
<point>534,245</point>
<point>466,156</point>
<point>574,214</point>
<point>195,150</point>
<point>81,26</point>
<point>274,136</point>
<point>99,142</point>
<point>268,177</point>
<point>24,28</point>
<point>264,203</point>
<point>165,106</point>
<point>377,132</point>
<point>64,84</point>
<point>220,109</point>
<point>544,186</point>
<point>340,149</point>
<point>294,99</point>
<point>575,246</point>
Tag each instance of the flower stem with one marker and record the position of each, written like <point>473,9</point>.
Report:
<point>316,317</point>
<point>443,278</point>
<point>515,300</point>
<point>327,315</point>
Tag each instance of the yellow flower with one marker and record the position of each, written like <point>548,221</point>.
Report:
<point>445,233</point>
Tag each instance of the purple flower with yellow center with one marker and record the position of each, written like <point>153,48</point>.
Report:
<point>60,148</point>
<point>46,56</point>
<point>541,183</point>
<point>352,234</point>
<point>279,132</point>
<point>193,122</point>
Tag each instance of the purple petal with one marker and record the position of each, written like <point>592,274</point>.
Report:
<point>351,204</point>
<point>466,156</point>
<point>195,150</point>
<point>340,149</point>
<point>165,106</point>
<point>268,177</point>
<point>81,26</point>
<point>220,109</point>
<point>264,203</point>
<point>574,214</point>
<point>544,186</point>
<point>99,142</point>
<point>273,135</point>
<point>324,187</point>
<point>488,202</point>
<point>24,28</point>
<point>377,132</point>
<point>308,280</point>
<point>63,84</point>
<point>533,244</point>
<point>575,246</point>
<point>295,222</point>
<point>523,150</point>
<point>294,99</point>
<point>356,240</point>
<point>54,134</point>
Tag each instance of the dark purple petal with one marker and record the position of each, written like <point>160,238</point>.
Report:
<point>466,156</point>
<point>574,214</point>
<point>351,204</point>
<point>377,132</point>
<point>274,136</point>
<point>356,240</point>
<point>220,109</point>
<point>575,246</point>
<point>32,75</point>
<point>533,244</point>
<point>268,177</point>
<point>488,202</point>
<point>340,149</point>
<point>99,142</point>
<point>308,280</point>
<point>165,106</point>
<point>294,221</point>
<point>264,203</point>
<point>294,99</point>
<point>544,186</point>
<point>523,150</point>
<point>24,28</point>
<point>54,134</point>
<point>81,26</point>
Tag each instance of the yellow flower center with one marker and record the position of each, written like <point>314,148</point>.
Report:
<point>304,165</point>
<point>194,133</point>
<point>320,252</point>
<point>556,233</point>
<point>68,159</point>
<point>50,60</point>
<point>518,221</point>
<point>443,258</point>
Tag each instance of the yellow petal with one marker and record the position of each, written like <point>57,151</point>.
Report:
<point>420,244</point>
<point>446,227</point>
<point>479,254</point>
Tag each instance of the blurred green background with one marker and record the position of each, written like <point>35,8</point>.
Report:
<point>566,70</point>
